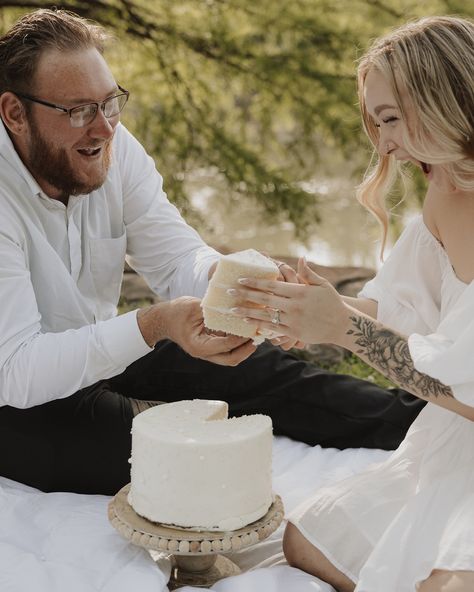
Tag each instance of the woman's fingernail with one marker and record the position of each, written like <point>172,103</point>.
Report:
<point>232,291</point>
<point>243,281</point>
<point>235,310</point>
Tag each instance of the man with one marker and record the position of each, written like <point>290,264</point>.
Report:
<point>77,194</point>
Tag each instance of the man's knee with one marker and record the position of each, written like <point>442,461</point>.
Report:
<point>138,405</point>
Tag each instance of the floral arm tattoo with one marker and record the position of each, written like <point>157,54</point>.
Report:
<point>388,352</point>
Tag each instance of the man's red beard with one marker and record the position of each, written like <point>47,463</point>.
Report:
<point>51,164</point>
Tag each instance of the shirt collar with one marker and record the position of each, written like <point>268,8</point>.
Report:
<point>7,150</point>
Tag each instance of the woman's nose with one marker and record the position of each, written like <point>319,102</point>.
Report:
<point>385,144</point>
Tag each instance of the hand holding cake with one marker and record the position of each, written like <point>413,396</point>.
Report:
<point>181,321</point>
<point>310,310</point>
<point>223,295</point>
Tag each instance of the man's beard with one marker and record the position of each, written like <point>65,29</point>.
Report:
<point>52,165</point>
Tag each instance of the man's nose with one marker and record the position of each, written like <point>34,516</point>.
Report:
<point>101,126</point>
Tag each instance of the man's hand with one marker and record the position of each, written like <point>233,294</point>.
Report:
<point>181,321</point>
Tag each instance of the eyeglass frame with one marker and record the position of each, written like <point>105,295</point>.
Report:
<point>67,110</point>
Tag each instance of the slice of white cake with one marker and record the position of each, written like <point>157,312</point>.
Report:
<point>216,303</point>
<point>192,467</point>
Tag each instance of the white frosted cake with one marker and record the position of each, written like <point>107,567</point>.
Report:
<point>216,303</point>
<point>194,468</point>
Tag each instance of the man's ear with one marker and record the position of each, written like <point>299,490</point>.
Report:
<point>12,112</point>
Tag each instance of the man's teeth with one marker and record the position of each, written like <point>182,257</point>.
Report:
<point>89,151</point>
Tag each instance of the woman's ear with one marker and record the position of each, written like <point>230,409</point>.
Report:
<point>12,112</point>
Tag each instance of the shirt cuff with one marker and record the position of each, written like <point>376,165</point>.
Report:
<point>122,339</point>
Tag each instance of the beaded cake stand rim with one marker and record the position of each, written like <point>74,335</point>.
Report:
<point>159,537</point>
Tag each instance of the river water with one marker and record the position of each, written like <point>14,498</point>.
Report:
<point>346,235</point>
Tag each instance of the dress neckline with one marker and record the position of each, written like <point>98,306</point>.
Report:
<point>444,254</point>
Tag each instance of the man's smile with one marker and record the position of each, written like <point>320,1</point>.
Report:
<point>90,151</point>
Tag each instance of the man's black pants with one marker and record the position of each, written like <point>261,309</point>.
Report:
<point>82,443</point>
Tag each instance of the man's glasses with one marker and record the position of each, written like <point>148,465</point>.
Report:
<point>82,115</point>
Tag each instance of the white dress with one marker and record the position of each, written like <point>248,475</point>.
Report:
<point>390,526</point>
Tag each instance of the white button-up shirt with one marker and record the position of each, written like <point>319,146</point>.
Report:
<point>61,270</point>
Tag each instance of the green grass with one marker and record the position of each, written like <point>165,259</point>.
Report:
<point>354,366</point>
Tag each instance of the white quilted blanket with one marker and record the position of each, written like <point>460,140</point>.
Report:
<point>63,542</point>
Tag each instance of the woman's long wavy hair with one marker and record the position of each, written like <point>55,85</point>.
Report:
<point>431,63</point>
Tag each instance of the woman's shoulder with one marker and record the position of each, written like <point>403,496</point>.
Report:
<point>415,237</point>
<point>415,257</point>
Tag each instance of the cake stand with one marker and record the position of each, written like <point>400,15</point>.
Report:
<point>197,556</point>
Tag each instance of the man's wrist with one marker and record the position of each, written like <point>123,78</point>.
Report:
<point>153,322</point>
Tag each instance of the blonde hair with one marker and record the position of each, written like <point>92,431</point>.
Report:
<point>431,61</point>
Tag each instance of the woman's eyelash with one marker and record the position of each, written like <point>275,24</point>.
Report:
<point>388,120</point>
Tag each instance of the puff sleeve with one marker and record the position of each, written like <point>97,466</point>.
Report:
<point>447,353</point>
<point>408,285</point>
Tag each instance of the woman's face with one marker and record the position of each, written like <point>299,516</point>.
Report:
<point>382,107</point>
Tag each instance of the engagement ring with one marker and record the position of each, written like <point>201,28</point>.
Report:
<point>275,318</point>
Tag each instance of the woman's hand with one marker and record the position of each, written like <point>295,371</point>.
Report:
<point>310,311</point>
<point>287,274</point>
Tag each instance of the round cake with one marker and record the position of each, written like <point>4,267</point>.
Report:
<point>192,467</point>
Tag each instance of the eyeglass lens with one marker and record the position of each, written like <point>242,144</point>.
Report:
<point>84,114</point>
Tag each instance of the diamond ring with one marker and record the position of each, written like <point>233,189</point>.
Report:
<point>275,318</point>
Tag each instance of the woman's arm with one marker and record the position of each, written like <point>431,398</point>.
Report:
<point>314,312</point>
<point>387,351</point>
<point>368,307</point>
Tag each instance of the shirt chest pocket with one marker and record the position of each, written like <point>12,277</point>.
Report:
<point>107,257</point>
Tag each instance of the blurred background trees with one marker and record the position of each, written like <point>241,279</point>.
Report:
<point>255,96</point>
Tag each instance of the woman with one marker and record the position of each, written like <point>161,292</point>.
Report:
<point>406,524</point>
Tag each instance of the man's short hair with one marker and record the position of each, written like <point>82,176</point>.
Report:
<point>40,31</point>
